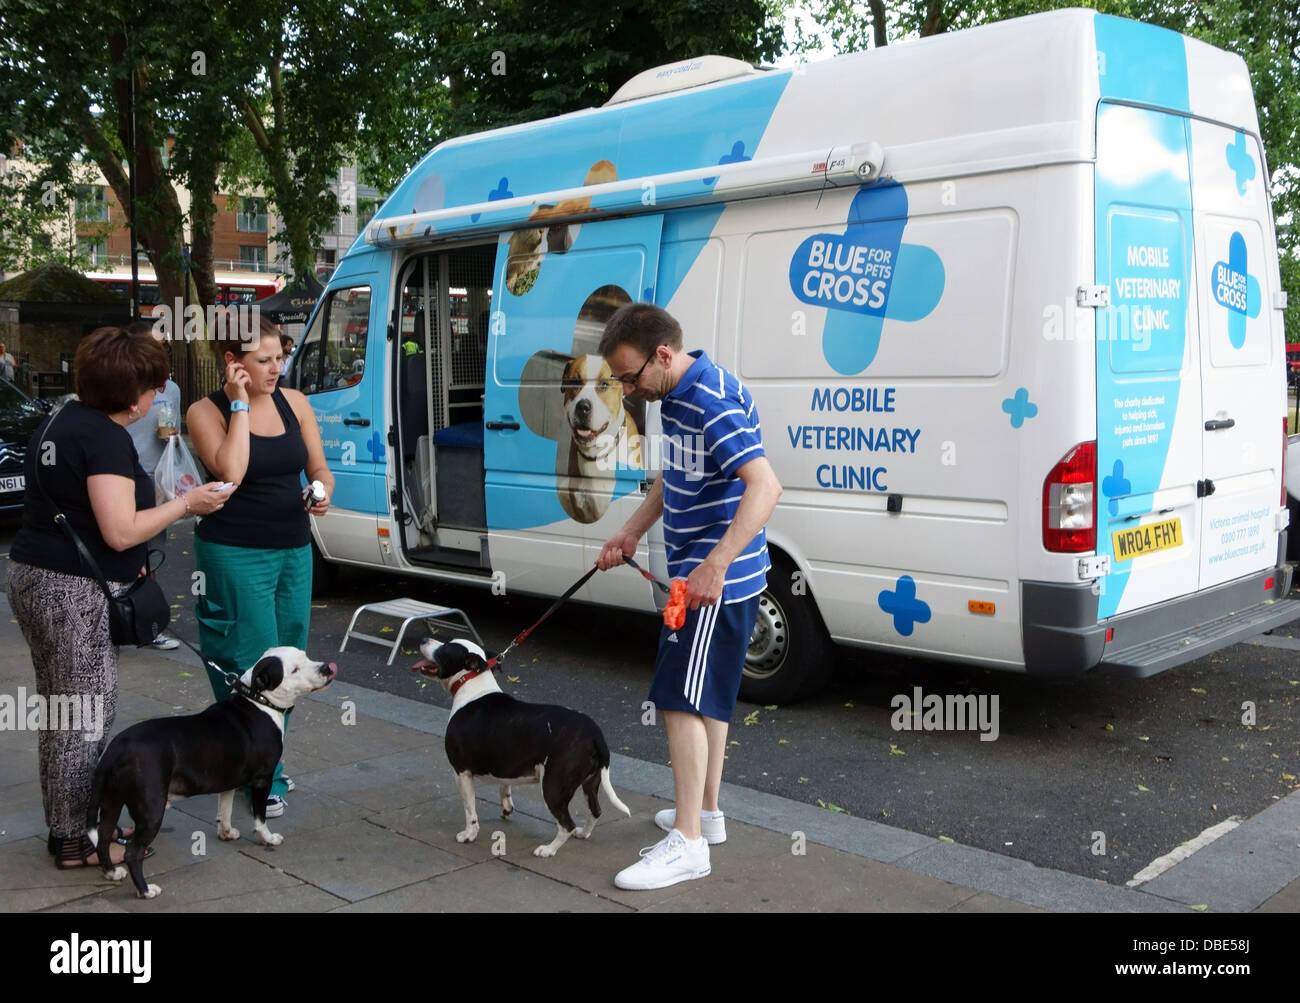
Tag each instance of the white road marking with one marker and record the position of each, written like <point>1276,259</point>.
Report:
<point>1181,853</point>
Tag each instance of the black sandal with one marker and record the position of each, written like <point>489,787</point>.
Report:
<point>75,852</point>
<point>118,837</point>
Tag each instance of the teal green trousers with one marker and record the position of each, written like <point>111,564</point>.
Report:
<point>250,600</point>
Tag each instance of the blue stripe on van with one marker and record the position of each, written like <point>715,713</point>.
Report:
<point>1146,204</point>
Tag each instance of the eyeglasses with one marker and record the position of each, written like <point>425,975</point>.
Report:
<point>630,381</point>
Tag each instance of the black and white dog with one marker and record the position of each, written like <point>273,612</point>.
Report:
<point>492,736</point>
<point>232,743</point>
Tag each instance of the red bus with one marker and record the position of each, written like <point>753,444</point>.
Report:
<point>233,288</point>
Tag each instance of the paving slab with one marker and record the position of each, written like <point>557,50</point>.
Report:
<point>357,860</point>
<point>489,886</point>
<point>318,738</point>
<point>388,781</point>
<point>436,822</point>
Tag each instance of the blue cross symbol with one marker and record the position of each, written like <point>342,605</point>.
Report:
<point>501,191</point>
<point>1115,485</point>
<point>903,606</point>
<point>736,156</point>
<point>1019,407</point>
<point>375,446</point>
<point>1240,161</point>
<point>1235,288</point>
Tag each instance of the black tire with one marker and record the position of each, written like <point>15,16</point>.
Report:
<point>324,575</point>
<point>1293,530</point>
<point>790,655</point>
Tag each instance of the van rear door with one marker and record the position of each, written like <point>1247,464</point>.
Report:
<point>1149,409</point>
<point>1241,356</point>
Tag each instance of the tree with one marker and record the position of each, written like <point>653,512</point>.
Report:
<point>509,61</point>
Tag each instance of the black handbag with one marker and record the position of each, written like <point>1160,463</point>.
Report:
<point>140,613</point>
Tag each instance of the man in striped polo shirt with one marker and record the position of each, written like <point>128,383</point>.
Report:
<point>715,494</point>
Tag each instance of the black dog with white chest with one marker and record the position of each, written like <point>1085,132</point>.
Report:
<point>492,736</point>
<point>233,743</point>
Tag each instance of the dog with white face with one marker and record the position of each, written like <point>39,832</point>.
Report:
<point>493,737</point>
<point>232,744</point>
<point>602,435</point>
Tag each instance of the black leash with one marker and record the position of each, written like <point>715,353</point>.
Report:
<point>233,679</point>
<point>496,660</point>
<point>647,576</point>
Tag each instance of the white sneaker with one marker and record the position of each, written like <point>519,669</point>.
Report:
<point>164,643</point>
<point>714,830</point>
<point>669,861</point>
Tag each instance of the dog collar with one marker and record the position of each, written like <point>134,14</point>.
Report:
<point>464,679</point>
<point>239,688</point>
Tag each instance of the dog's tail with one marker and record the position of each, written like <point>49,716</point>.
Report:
<point>608,788</point>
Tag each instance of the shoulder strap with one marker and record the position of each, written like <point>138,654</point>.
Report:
<point>282,405</point>
<point>61,520</point>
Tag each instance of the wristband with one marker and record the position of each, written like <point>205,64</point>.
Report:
<point>238,406</point>
<point>186,500</point>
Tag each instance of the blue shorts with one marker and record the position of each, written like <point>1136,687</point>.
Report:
<point>699,665</point>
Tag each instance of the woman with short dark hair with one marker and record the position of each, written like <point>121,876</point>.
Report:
<point>86,467</point>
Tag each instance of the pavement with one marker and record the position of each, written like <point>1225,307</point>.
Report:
<point>371,828</point>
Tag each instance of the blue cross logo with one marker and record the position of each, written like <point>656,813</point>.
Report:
<point>501,191</point>
<point>1240,161</point>
<point>375,446</point>
<point>1235,288</point>
<point>1019,407</point>
<point>1115,485</point>
<point>736,156</point>
<point>903,606</point>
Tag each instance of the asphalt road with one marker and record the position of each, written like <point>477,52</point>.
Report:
<point>1147,763</point>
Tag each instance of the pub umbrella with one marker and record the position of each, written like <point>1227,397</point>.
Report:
<point>292,304</point>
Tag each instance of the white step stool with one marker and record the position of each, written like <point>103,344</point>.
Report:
<point>408,610</point>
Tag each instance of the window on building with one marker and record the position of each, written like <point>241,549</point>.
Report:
<point>94,248</point>
<point>91,204</point>
<point>252,258</point>
<point>251,217</point>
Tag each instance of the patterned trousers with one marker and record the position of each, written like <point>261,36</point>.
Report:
<point>64,619</point>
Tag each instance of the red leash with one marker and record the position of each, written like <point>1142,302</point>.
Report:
<point>496,660</point>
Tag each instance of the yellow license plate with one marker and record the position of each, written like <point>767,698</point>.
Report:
<point>1142,540</point>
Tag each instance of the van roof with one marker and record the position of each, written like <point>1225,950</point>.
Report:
<point>1010,94</point>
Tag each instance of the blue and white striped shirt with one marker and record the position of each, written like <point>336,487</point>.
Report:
<point>711,430</point>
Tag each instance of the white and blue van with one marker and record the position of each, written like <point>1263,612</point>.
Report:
<point>1007,300</point>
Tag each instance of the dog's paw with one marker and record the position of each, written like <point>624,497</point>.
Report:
<point>507,807</point>
<point>468,835</point>
<point>153,892</point>
<point>227,834</point>
<point>116,873</point>
<point>271,839</point>
<point>545,850</point>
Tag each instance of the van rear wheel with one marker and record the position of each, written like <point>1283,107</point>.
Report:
<point>790,655</point>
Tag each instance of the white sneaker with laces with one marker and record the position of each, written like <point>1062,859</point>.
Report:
<point>669,861</point>
<point>714,830</point>
<point>164,643</point>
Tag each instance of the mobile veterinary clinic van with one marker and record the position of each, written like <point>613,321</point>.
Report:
<point>1007,300</point>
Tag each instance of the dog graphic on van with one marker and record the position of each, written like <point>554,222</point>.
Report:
<point>528,248</point>
<point>602,434</point>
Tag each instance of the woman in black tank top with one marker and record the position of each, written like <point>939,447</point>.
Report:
<point>254,557</point>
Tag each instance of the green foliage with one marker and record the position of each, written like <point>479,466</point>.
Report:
<point>510,61</point>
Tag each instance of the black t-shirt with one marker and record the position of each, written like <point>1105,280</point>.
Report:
<point>82,442</point>
<point>265,511</point>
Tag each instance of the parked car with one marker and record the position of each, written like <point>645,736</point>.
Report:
<point>19,418</point>
<point>1293,365</point>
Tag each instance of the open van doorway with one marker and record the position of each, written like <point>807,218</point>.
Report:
<point>444,305</point>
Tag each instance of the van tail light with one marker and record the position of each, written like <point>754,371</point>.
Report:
<point>1070,502</point>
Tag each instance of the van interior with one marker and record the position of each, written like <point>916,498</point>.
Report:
<point>443,313</point>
